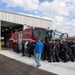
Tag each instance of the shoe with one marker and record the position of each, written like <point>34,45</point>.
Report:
<point>49,61</point>
<point>23,55</point>
<point>38,65</point>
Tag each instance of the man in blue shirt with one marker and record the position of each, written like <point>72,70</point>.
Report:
<point>38,51</point>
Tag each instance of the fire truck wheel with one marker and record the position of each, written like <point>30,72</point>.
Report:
<point>14,47</point>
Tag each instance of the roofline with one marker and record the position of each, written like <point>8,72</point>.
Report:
<point>24,15</point>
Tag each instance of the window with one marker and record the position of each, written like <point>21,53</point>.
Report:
<point>39,33</point>
<point>35,33</point>
<point>56,35</point>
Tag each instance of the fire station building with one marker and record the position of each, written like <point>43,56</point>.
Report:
<point>10,21</point>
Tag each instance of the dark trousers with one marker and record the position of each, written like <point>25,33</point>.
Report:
<point>73,51</point>
<point>71,56</point>
<point>29,52</point>
<point>56,55</point>
<point>43,56</point>
<point>52,56</point>
<point>18,51</point>
<point>23,52</point>
<point>47,54</point>
<point>65,56</point>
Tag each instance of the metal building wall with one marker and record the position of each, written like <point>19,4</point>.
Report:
<point>24,19</point>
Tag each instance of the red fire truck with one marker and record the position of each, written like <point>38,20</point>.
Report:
<point>29,34</point>
<point>33,34</point>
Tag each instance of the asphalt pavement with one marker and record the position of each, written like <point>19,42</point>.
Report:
<point>10,66</point>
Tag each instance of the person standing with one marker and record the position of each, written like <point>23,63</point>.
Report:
<point>17,47</point>
<point>50,51</point>
<point>55,52</point>
<point>30,45</point>
<point>38,51</point>
<point>23,50</point>
<point>26,48</point>
<point>43,57</point>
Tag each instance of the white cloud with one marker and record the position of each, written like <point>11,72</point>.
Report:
<point>59,19</point>
<point>66,26</point>
<point>62,12</point>
<point>24,4</point>
<point>56,7</point>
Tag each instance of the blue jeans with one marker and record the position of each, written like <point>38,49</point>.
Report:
<point>37,58</point>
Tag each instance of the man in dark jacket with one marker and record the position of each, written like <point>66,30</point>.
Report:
<point>17,47</point>
<point>55,52</point>
<point>44,51</point>
<point>50,51</point>
<point>30,45</point>
<point>38,51</point>
<point>23,51</point>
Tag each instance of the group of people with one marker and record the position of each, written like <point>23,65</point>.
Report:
<point>52,51</point>
<point>57,51</point>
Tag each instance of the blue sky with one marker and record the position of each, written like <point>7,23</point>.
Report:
<point>61,12</point>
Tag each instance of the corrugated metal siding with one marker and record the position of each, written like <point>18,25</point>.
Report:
<point>23,19</point>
